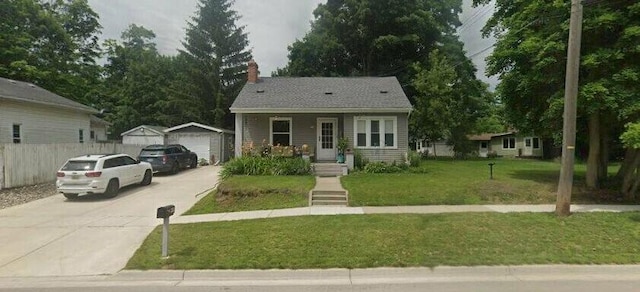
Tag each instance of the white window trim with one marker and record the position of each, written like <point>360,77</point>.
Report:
<point>515,142</point>
<point>539,143</point>
<point>272,119</point>
<point>382,132</point>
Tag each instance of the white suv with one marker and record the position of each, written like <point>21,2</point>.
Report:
<point>101,174</point>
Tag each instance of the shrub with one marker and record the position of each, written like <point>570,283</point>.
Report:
<point>359,161</point>
<point>413,158</point>
<point>492,154</point>
<point>203,162</point>
<point>255,165</point>
<point>381,167</point>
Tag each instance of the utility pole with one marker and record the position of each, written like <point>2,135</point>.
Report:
<point>565,183</point>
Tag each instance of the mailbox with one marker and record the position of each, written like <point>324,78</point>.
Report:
<point>166,211</point>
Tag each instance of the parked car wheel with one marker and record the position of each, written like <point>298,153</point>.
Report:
<point>70,196</point>
<point>147,178</point>
<point>112,188</point>
<point>175,168</point>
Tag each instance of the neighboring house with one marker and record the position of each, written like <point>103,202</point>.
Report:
<point>32,115</point>
<point>212,144</point>
<point>98,130</point>
<point>437,148</point>
<point>144,135</point>
<point>372,112</point>
<point>509,144</point>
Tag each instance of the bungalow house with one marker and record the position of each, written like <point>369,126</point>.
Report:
<point>371,112</point>
<point>30,114</point>
<point>508,144</point>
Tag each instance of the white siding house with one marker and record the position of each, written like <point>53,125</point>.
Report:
<point>144,135</point>
<point>32,115</point>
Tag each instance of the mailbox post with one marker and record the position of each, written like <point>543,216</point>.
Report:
<point>165,212</point>
<point>491,170</point>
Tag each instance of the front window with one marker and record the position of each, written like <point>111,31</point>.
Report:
<point>509,143</point>
<point>536,143</point>
<point>280,131</point>
<point>81,136</point>
<point>376,132</point>
<point>17,138</point>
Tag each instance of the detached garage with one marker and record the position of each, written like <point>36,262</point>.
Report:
<point>144,135</point>
<point>213,144</point>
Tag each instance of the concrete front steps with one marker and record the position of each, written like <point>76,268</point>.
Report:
<point>328,198</point>
<point>329,169</point>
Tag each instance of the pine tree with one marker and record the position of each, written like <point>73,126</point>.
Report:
<point>217,51</point>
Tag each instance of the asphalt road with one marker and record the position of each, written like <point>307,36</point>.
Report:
<point>92,235</point>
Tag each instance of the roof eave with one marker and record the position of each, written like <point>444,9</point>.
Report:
<point>317,110</point>
<point>79,109</point>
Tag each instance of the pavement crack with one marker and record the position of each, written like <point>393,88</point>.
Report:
<point>350,279</point>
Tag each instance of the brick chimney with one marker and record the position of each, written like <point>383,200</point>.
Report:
<point>252,72</point>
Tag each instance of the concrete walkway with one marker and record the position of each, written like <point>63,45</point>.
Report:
<point>333,183</point>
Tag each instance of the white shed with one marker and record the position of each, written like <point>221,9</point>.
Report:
<point>213,144</point>
<point>144,135</point>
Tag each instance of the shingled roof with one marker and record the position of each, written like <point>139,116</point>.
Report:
<point>27,92</point>
<point>322,95</point>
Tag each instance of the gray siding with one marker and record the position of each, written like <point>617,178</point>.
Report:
<point>256,129</point>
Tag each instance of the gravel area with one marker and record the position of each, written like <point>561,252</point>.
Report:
<point>21,195</point>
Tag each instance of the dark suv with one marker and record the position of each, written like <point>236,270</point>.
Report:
<point>168,158</point>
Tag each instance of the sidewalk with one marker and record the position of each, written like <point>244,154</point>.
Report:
<point>518,275</point>
<point>435,209</point>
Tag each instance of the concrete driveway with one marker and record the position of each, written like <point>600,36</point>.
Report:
<point>92,235</point>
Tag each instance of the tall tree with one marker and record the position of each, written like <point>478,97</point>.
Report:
<point>217,51</point>
<point>135,77</point>
<point>395,38</point>
<point>51,43</point>
<point>372,37</point>
<point>530,55</point>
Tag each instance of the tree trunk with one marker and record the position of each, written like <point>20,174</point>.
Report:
<point>626,163</point>
<point>593,161</point>
<point>629,177</point>
<point>603,170</point>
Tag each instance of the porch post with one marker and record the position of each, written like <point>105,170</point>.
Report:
<point>238,136</point>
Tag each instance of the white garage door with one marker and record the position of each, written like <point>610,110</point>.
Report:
<point>197,143</point>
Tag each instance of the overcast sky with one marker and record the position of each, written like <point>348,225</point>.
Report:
<point>271,25</point>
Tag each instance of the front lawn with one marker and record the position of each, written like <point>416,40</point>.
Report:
<point>363,241</point>
<point>243,193</point>
<point>454,182</point>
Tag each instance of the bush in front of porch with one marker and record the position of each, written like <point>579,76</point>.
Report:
<point>267,165</point>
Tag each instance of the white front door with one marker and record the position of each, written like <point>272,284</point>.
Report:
<point>326,132</point>
<point>484,149</point>
<point>528,148</point>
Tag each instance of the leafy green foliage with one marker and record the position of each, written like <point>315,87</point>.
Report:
<point>269,165</point>
<point>53,44</point>
<point>414,158</point>
<point>631,137</point>
<point>383,167</point>
<point>530,58</point>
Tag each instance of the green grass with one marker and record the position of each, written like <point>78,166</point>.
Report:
<point>243,193</point>
<point>453,182</point>
<point>361,241</point>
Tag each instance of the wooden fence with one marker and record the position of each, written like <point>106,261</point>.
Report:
<point>30,164</point>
